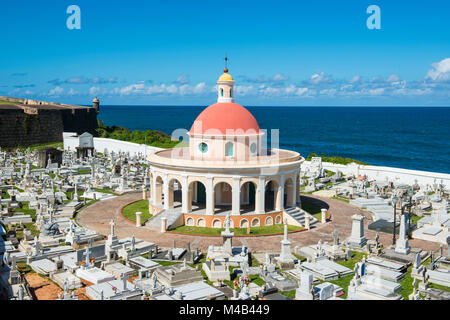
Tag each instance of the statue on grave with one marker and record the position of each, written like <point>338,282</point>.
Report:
<point>227,223</point>
<point>335,238</point>
<point>66,286</point>
<point>112,224</point>
<point>133,243</point>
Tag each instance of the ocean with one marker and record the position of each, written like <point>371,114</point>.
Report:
<point>415,138</point>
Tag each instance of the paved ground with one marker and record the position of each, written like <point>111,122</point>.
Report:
<point>98,215</point>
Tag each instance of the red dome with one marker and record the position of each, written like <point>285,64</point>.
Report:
<point>225,118</point>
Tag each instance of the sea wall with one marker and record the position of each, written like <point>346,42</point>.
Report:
<point>71,141</point>
<point>392,174</point>
<point>18,128</point>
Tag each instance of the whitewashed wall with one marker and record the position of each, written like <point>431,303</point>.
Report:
<point>393,174</point>
<point>71,141</point>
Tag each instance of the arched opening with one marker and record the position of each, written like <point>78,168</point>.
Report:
<point>269,221</point>
<point>201,222</point>
<point>221,92</point>
<point>248,194</point>
<point>244,223</point>
<point>158,191</point>
<point>217,224</point>
<point>196,196</point>
<point>174,196</point>
<point>190,222</point>
<point>255,222</point>
<point>223,197</point>
<point>271,202</point>
<point>289,196</point>
<point>278,220</point>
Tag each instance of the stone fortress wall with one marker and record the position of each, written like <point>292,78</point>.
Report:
<point>26,122</point>
<point>18,128</point>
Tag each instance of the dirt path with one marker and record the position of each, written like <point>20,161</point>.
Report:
<point>98,215</point>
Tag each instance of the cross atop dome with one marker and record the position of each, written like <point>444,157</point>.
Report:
<point>225,85</point>
<point>226,64</point>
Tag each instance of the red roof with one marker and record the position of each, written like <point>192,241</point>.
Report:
<point>225,118</point>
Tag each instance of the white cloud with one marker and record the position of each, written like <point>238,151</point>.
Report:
<point>56,91</point>
<point>72,92</point>
<point>440,71</point>
<point>319,78</point>
<point>182,79</point>
<point>280,77</point>
<point>245,90</point>
<point>393,78</point>
<point>376,92</point>
<point>355,79</point>
<point>301,91</point>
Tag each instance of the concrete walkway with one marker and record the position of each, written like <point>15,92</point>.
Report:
<point>98,215</point>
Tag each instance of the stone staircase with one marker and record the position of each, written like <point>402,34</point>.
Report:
<point>299,215</point>
<point>172,215</point>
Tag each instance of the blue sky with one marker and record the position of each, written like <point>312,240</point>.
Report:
<point>281,52</point>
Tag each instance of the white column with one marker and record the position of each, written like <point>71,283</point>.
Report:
<point>259,208</point>
<point>209,196</point>
<point>236,197</point>
<point>294,190</point>
<point>138,219</point>
<point>184,195</point>
<point>324,215</point>
<point>280,199</point>
<point>166,192</point>
<point>163,224</point>
<point>307,222</point>
<point>153,200</point>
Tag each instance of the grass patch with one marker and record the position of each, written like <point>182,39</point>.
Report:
<point>106,191</point>
<point>415,219</point>
<point>41,146</point>
<point>344,282</point>
<point>330,173</point>
<point>335,159</point>
<point>253,261</point>
<point>407,284</point>
<point>30,226</point>
<point>84,171</point>
<point>289,294</point>
<point>341,199</point>
<point>438,286</point>
<point>257,280</point>
<point>300,258</point>
<point>278,228</point>
<point>129,212</point>
<point>167,263</point>
<point>149,137</point>
<point>26,210</point>
<point>23,267</point>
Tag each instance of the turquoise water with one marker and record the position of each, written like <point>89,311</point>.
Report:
<point>405,137</point>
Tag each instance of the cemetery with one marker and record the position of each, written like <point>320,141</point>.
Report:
<point>48,252</point>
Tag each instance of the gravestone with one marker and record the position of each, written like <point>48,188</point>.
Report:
<point>304,292</point>
<point>357,238</point>
<point>402,245</point>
